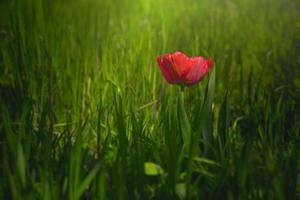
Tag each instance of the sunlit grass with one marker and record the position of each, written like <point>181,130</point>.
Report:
<point>86,114</point>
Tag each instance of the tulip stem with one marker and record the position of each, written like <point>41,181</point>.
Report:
<point>186,136</point>
<point>181,88</point>
<point>184,123</point>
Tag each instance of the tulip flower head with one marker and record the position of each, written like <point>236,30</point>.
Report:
<point>177,68</point>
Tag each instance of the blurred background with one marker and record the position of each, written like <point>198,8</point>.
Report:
<point>88,68</point>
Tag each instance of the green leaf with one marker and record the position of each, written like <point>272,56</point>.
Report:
<point>87,181</point>
<point>152,169</point>
<point>181,190</point>
<point>223,122</point>
<point>184,123</point>
<point>21,164</point>
<point>205,123</point>
<point>206,114</point>
<point>206,161</point>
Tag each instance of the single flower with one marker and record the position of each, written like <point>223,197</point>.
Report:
<point>180,69</point>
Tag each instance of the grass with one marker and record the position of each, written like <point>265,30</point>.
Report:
<point>86,114</point>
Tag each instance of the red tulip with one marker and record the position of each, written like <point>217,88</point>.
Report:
<point>178,68</point>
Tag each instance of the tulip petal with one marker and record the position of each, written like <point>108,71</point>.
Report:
<point>199,69</point>
<point>177,68</point>
<point>209,62</point>
<point>167,68</point>
<point>182,63</point>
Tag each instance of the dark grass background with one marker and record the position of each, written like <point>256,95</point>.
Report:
<point>86,114</point>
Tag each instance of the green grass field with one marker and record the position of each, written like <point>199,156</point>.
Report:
<point>86,114</point>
